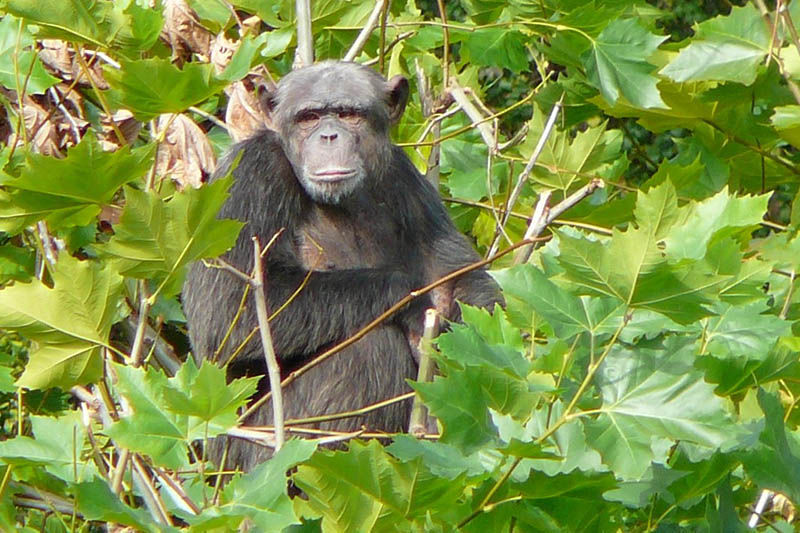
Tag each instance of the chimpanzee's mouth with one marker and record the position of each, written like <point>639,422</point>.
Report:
<point>334,174</point>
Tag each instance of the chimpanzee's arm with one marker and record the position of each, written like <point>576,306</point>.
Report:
<point>446,249</point>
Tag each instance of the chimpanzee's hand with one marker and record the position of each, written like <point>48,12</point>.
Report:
<point>412,317</point>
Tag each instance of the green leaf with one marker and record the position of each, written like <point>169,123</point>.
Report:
<point>651,394</point>
<point>150,87</point>
<point>69,322</point>
<point>16,263</point>
<point>527,290</point>
<point>442,459</point>
<point>737,375</point>
<point>588,151</point>
<point>365,489</point>
<point>58,446</point>
<point>103,24</point>
<point>565,450</point>
<point>157,239</point>
<point>71,191</point>
<point>496,47</point>
<point>725,48</point>
<point>278,42</point>
<point>205,393</point>
<point>716,217</point>
<point>95,501</point>
<point>465,344</point>
<point>617,64</point>
<point>150,428</point>
<point>743,331</point>
<point>242,59</point>
<point>168,414</point>
<point>261,495</point>
<point>16,55</point>
<point>775,462</point>
<point>786,120</point>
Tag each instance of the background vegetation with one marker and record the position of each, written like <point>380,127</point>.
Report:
<point>643,377</point>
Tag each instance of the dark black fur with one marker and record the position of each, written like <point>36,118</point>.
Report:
<point>390,236</point>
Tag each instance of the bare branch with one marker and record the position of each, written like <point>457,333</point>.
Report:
<point>363,36</point>
<point>304,55</point>
<point>419,413</point>
<point>548,128</point>
<point>535,227</point>
<point>273,370</point>
<point>475,115</point>
<point>547,216</point>
<point>150,495</point>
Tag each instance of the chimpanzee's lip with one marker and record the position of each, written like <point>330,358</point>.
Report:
<point>334,174</point>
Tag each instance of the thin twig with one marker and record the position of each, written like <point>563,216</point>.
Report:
<point>304,55</point>
<point>150,495</point>
<point>548,128</point>
<point>535,227</point>
<point>382,50</point>
<point>445,44</point>
<point>348,414</point>
<point>419,413</point>
<point>119,471</point>
<point>366,31</point>
<point>144,310</point>
<point>178,493</point>
<point>538,223</point>
<point>475,115</point>
<point>208,116</point>
<point>273,370</point>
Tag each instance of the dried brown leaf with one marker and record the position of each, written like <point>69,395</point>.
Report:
<point>41,131</point>
<point>183,32</point>
<point>222,50</point>
<point>127,125</point>
<point>60,58</point>
<point>185,154</point>
<point>244,115</point>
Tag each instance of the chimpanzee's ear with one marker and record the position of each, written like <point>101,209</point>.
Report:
<point>397,88</point>
<point>267,102</point>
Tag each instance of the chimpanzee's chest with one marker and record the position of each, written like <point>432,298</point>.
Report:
<point>334,239</point>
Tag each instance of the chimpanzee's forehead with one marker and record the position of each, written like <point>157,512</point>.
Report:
<point>332,84</point>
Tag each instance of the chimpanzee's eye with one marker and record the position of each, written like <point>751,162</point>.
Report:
<point>308,119</point>
<point>350,116</point>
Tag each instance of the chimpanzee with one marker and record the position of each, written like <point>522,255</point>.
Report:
<point>361,219</point>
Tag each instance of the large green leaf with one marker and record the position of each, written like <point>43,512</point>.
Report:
<point>96,501</point>
<point>261,495</point>
<point>158,238</point>
<point>527,290</point>
<point>150,428</point>
<point>365,489</point>
<point>497,47</point>
<point>653,397</point>
<point>150,87</point>
<point>206,394</point>
<point>716,217</point>
<point>15,60</point>
<point>105,24</point>
<point>70,191</point>
<point>169,413</point>
<point>68,323</point>
<point>725,48</point>
<point>617,64</point>
<point>775,461</point>
<point>58,446</point>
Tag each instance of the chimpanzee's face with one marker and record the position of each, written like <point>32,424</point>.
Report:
<point>333,119</point>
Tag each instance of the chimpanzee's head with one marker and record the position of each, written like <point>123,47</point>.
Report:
<point>333,119</point>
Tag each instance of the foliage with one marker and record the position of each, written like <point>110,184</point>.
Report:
<point>643,375</point>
